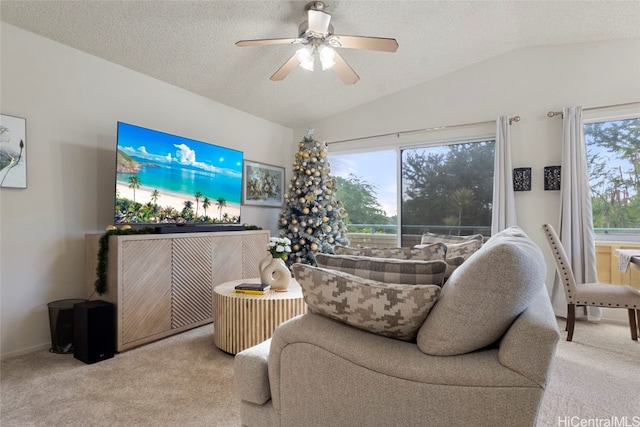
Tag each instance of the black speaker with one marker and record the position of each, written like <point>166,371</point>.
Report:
<point>94,331</point>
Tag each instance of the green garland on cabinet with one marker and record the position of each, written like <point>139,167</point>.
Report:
<point>103,253</point>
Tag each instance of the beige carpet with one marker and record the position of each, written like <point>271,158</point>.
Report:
<point>186,381</point>
<point>596,376</point>
<point>179,381</point>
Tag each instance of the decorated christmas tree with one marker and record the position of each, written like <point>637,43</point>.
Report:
<point>311,217</point>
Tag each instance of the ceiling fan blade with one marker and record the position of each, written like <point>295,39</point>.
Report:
<point>262,42</point>
<point>368,43</point>
<point>344,71</point>
<point>318,21</point>
<point>286,68</point>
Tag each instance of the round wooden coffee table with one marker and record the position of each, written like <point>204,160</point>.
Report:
<point>242,320</point>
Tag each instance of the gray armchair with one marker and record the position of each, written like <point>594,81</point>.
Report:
<point>490,369</point>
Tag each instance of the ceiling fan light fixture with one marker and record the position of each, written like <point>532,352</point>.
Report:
<point>306,57</point>
<point>327,57</point>
<point>318,42</point>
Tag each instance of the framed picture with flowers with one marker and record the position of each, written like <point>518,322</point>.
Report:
<point>263,185</point>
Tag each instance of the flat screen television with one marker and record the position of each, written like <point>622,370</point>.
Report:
<point>168,179</point>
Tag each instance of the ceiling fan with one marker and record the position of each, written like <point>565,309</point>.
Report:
<point>318,41</point>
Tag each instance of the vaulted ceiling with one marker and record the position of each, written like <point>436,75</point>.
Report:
<point>190,44</point>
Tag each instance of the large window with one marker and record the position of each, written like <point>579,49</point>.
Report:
<point>613,157</point>
<point>447,189</point>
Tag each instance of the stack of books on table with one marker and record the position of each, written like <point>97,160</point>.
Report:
<point>251,288</point>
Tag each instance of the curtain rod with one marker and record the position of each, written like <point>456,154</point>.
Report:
<point>403,132</point>
<point>552,114</point>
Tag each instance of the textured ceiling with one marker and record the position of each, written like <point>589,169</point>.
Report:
<point>190,44</point>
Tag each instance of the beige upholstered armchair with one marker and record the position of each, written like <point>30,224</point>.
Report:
<point>476,351</point>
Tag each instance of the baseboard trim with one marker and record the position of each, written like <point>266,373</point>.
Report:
<point>11,354</point>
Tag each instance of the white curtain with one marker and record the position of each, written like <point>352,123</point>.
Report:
<point>576,223</point>
<point>504,205</point>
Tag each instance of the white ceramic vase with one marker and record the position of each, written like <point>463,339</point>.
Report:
<point>274,272</point>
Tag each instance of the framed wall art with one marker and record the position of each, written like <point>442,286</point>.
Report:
<point>13,153</point>
<point>263,185</point>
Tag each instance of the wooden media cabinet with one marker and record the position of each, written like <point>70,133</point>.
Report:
<point>162,284</point>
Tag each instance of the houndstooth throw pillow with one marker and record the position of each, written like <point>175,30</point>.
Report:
<point>463,250</point>
<point>392,310</point>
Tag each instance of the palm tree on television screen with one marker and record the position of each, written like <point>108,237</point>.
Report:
<point>134,182</point>
<point>198,195</point>
<point>221,202</point>
<point>154,196</point>
<point>206,202</point>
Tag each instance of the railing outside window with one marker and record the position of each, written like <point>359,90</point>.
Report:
<point>385,236</point>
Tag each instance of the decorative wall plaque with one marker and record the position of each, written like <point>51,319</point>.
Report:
<point>552,177</point>
<point>522,179</point>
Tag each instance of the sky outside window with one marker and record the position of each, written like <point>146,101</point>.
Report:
<point>377,168</point>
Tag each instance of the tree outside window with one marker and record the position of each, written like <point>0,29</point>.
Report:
<point>448,189</point>
<point>366,184</point>
<point>613,157</point>
<point>360,201</point>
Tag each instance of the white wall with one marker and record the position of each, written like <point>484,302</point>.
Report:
<point>71,102</point>
<point>527,82</point>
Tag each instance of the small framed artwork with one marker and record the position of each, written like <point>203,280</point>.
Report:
<point>522,179</point>
<point>263,185</point>
<point>13,153</point>
<point>552,177</point>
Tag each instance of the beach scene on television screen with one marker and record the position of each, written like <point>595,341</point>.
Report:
<point>163,178</point>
